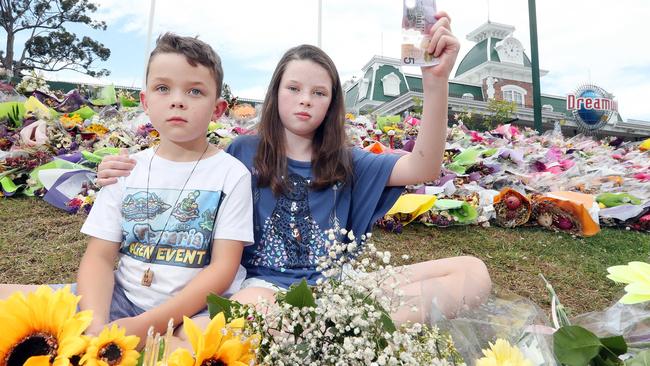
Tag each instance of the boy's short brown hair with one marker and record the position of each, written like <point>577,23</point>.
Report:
<point>194,50</point>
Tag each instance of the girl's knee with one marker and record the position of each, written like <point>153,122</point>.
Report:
<point>477,273</point>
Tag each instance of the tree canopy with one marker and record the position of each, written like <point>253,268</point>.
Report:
<point>50,46</point>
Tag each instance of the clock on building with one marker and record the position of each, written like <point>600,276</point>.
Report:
<point>510,50</point>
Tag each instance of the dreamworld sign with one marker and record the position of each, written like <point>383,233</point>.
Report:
<point>592,106</point>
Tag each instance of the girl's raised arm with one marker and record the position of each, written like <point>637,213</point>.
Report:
<point>424,163</point>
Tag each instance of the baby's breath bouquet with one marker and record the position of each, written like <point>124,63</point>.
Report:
<point>344,319</point>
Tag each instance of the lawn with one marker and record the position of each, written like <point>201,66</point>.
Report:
<point>43,245</point>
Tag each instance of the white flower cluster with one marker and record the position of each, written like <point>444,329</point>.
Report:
<point>31,83</point>
<point>345,319</point>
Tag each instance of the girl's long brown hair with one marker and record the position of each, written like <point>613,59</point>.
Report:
<point>331,159</point>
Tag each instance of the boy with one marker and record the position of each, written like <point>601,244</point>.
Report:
<point>179,222</point>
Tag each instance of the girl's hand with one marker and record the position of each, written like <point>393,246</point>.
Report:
<point>114,166</point>
<point>443,45</point>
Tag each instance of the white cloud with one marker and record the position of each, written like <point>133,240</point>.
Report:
<point>257,92</point>
<point>578,40</point>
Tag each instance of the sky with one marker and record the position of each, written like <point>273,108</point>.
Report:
<point>580,41</point>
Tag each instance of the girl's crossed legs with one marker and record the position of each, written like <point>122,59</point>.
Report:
<point>449,284</point>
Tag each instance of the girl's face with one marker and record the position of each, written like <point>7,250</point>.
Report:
<point>304,96</point>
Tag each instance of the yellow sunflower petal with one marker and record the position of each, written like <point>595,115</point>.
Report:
<point>38,361</point>
<point>196,339</point>
<point>237,323</point>
<point>230,351</point>
<point>238,363</point>
<point>14,315</point>
<point>130,358</point>
<point>213,335</point>
<point>131,342</point>
<point>76,324</point>
<point>181,357</point>
<point>192,331</point>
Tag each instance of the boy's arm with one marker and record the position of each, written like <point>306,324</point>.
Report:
<point>95,281</point>
<point>424,163</point>
<point>214,278</point>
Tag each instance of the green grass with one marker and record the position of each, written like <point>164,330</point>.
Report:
<point>43,245</point>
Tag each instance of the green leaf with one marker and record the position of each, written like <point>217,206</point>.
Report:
<point>141,358</point>
<point>387,322</point>
<point>218,304</point>
<point>447,204</point>
<point>300,295</point>
<point>489,152</point>
<point>456,168</point>
<point>465,214</point>
<point>8,185</point>
<point>606,361</point>
<point>642,359</point>
<point>385,319</point>
<point>575,346</point>
<point>614,346</point>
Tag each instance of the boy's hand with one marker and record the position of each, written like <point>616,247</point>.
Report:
<point>136,325</point>
<point>443,45</point>
<point>94,328</point>
<point>114,166</point>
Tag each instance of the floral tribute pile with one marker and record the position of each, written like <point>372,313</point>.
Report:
<point>512,177</point>
<point>508,176</point>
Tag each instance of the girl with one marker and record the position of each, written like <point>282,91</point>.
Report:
<point>306,182</point>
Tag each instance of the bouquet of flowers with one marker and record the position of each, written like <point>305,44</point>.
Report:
<point>31,83</point>
<point>345,319</point>
<point>44,328</point>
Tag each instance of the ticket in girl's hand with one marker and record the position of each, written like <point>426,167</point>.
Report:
<point>417,20</point>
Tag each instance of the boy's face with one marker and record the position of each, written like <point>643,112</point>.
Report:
<point>180,99</point>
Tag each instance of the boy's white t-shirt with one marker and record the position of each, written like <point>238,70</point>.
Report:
<point>220,184</point>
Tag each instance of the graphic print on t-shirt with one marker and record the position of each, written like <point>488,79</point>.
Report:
<point>187,236</point>
<point>291,238</point>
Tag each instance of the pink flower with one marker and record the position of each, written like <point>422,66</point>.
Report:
<point>476,137</point>
<point>643,177</point>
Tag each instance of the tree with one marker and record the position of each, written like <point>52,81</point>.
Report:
<point>50,47</point>
<point>417,107</point>
<point>501,111</point>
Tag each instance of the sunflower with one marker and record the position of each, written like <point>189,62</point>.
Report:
<point>219,345</point>
<point>501,353</point>
<point>42,328</point>
<point>112,347</point>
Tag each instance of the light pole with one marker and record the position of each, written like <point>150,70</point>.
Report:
<point>152,9</point>
<point>537,96</point>
<point>320,23</point>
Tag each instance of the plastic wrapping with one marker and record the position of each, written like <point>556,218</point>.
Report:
<point>506,316</point>
<point>560,214</point>
<point>630,321</point>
